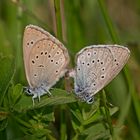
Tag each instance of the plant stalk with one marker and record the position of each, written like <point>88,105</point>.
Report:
<point>57,7</point>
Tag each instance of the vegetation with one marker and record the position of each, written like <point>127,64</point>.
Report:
<point>115,114</point>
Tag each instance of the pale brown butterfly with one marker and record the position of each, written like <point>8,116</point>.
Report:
<point>96,66</point>
<point>45,59</point>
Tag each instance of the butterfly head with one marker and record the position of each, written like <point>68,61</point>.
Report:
<point>28,90</point>
<point>90,100</point>
<point>84,95</point>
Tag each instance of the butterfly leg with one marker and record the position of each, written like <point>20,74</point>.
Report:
<point>49,92</point>
<point>38,97</point>
<point>51,88</point>
<point>35,96</point>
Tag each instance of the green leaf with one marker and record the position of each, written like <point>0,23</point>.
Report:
<point>84,114</point>
<point>97,131</point>
<point>76,113</point>
<point>3,124</point>
<point>7,69</point>
<point>58,97</point>
<point>45,114</point>
<point>113,110</point>
<point>13,96</point>
<point>17,93</point>
<point>89,114</point>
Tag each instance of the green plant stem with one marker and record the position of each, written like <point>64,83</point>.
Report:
<point>20,121</point>
<point>108,22</point>
<point>19,36</point>
<point>63,128</point>
<point>133,93</point>
<point>63,124</point>
<point>108,118</point>
<point>58,19</point>
<point>115,39</point>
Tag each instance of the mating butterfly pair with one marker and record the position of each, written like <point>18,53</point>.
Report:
<point>46,60</point>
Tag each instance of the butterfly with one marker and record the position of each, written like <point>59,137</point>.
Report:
<point>45,60</point>
<point>96,66</point>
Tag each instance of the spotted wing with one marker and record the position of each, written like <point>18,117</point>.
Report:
<point>97,65</point>
<point>45,57</point>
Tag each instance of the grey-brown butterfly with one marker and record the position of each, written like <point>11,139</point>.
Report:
<point>45,60</point>
<point>96,66</point>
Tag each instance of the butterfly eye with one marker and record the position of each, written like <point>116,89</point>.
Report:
<point>93,61</point>
<point>87,64</point>
<point>52,60</point>
<point>101,63</point>
<point>37,57</point>
<point>90,101</point>
<point>46,53</point>
<point>28,90</point>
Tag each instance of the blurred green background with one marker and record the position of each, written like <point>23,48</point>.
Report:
<point>77,23</point>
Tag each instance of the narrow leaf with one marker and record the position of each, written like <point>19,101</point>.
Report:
<point>58,97</point>
<point>7,68</point>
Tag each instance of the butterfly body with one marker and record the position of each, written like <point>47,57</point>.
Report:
<point>96,66</point>
<point>45,60</point>
<point>38,91</point>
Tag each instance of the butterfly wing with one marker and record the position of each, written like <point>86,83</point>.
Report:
<point>97,65</point>
<point>45,57</point>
